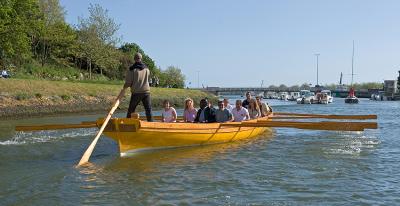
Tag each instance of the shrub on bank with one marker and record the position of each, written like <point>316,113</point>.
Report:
<point>22,96</point>
<point>38,95</point>
<point>65,97</point>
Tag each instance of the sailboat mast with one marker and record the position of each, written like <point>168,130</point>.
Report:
<point>352,66</point>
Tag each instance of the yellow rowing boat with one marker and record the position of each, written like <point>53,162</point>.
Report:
<point>134,135</point>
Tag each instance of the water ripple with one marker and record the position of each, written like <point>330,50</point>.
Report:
<point>22,138</point>
<point>291,167</point>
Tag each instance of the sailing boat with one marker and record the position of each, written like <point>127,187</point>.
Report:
<point>351,98</point>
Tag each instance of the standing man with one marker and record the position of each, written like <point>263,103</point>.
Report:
<point>137,78</point>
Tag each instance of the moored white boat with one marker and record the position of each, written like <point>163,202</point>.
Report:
<point>293,96</point>
<point>328,94</point>
<point>307,97</point>
<point>283,96</point>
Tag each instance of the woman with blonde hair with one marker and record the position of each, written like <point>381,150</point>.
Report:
<point>254,109</point>
<point>189,114</point>
<point>265,109</point>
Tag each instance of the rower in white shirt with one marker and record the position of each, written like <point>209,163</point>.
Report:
<point>227,105</point>
<point>240,113</point>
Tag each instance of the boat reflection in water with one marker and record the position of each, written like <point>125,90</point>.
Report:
<point>150,160</point>
<point>143,167</point>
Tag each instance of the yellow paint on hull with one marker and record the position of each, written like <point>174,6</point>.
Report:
<point>135,135</point>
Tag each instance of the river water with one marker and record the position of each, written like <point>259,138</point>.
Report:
<point>291,167</point>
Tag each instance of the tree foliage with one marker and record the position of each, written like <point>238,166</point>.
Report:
<point>19,21</point>
<point>55,38</point>
<point>97,39</point>
<point>305,86</point>
<point>172,77</point>
<point>129,50</point>
<point>37,28</point>
<point>368,85</point>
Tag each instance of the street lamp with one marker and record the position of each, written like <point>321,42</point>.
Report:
<point>198,79</point>
<point>317,55</point>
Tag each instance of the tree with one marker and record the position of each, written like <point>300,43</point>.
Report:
<point>282,87</point>
<point>305,86</point>
<point>172,77</point>
<point>330,86</point>
<point>272,87</point>
<point>368,85</point>
<point>18,22</point>
<point>55,38</point>
<point>294,88</point>
<point>97,39</point>
<point>131,48</point>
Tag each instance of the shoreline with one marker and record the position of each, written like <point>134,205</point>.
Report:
<point>54,112</point>
<point>26,98</point>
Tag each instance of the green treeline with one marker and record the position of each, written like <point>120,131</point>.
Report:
<point>36,42</point>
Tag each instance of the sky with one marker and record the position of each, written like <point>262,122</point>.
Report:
<point>229,43</point>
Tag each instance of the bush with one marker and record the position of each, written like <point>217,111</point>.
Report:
<point>22,96</point>
<point>65,97</point>
<point>38,95</point>
<point>51,72</point>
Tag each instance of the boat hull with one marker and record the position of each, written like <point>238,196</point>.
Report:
<point>135,136</point>
<point>351,100</point>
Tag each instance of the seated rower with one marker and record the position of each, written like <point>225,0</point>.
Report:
<point>222,114</point>
<point>264,108</point>
<point>205,114</point>
<point>189,114</point>
<point>246,102</point>
<point>240,113</point>
<point>169,113</point>
<point>227,105</point>
<point>254,110</point>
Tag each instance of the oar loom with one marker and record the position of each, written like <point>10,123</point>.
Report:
<point>315,125</point>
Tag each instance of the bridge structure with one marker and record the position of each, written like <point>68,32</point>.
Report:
<point>263,91</point>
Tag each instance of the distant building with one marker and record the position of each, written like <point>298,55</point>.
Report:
<point>390,87</point>
<point>398,83</point>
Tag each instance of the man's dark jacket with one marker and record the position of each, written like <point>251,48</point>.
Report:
<point>209,114</point>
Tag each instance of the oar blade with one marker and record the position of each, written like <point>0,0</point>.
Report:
<point>89,150</point>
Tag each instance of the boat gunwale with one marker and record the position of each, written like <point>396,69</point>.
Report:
<point>178,127</point>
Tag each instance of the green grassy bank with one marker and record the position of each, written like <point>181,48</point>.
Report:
<point>27,97</point>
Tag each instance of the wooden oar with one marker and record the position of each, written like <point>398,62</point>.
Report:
<point>328,116</point>
<point>334,126</point>
<point>278,115</point>
<point>89,150</point>
<point>55,126</point>
<point>357,117</point>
